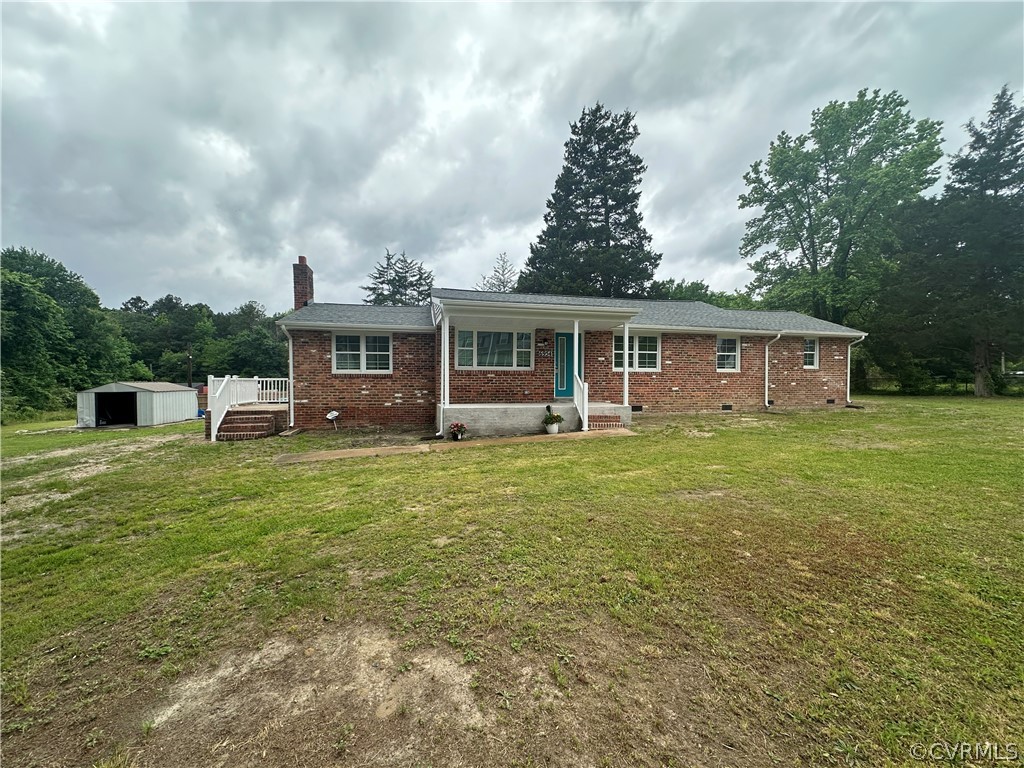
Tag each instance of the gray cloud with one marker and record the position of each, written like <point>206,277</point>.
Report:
<point>196,149</point>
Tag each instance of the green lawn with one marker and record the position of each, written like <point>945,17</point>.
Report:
<point>807,588</point>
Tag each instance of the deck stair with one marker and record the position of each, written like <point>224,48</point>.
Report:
<point>238,425</point>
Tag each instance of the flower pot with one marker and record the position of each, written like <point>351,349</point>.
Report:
<point>456,436</point>
<point>551,428</point>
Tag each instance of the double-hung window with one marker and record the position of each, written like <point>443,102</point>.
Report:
<point>644,353</point>
<point>494,349</point>
<point>810,353</point>
<point>727,354</point>
<point>354,353</point>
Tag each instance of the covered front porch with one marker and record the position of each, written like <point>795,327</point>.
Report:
<point>504,360</point>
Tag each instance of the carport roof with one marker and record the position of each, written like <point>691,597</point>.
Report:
<point>145,386</point>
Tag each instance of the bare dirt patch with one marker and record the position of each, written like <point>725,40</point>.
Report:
<point>108,450</point>
<point>95,459</point>
<point>317,701</point>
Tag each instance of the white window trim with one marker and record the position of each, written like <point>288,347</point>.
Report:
<point>817,353</point>
<point>739,345</point>
<point>636,351</point>
<point>515,349</point>
<point>362,355</point>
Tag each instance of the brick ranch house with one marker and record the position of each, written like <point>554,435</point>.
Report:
<point>495,360</point>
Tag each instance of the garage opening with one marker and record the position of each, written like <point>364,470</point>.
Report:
<point>116,408</point>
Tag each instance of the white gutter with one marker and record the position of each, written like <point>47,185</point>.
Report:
<point>708,330</point>
<point>291,380</point>
<point>849,350</point>
<point>768,344</point>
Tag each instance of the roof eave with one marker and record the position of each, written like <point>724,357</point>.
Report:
<point>706,330</point>
<point>322,326</point>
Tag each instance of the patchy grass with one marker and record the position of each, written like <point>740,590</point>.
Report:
<point>790,588</point>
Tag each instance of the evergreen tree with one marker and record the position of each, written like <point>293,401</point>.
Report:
<point>698,290</point>
<point>958,295</point>
<point>502,279</point>
<point>594,241</point>
<point>399,281</point>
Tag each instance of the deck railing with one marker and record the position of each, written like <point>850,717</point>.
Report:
<point>581,399</point>
<point>227,391</point>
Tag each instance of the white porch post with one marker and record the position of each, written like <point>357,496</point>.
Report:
<point>576,372</point>
<point>445,362</point>
<point>625,363</point>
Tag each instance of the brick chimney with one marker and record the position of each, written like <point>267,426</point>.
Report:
<point>302,281</point>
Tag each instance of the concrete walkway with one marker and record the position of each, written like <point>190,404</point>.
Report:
<point>444,445</point>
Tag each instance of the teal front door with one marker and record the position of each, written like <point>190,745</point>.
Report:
<point>563,364</point>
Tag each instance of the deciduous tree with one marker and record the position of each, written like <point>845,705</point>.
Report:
<point>826,203</point>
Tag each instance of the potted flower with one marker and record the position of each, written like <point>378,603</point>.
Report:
<point>456,429</point>
<point>552,420</point>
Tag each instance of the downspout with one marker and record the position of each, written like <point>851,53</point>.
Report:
<point>849,351</point>
<point>444,372</point>
<point>291,380</point>
<point>766,405</point>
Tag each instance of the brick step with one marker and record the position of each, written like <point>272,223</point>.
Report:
<point>604,421</point>
<point>248,417</point>
<point>246,426</point>
<point>231,436</point>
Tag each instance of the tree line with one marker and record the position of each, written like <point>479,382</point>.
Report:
<point>842,229</point>
<point>57,339</point>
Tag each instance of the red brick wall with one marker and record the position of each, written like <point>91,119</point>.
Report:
<point>512,386</point>
<point>791,385</point>
<point>688,379</point>
<point>405,397</point>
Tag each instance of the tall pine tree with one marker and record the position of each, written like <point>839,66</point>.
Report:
<point>399,281</point>
<point>959,292</point>
<point>502,279</point>
<point>594,242</point>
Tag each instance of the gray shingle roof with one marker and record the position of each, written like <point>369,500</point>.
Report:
<point>650,314</point>
<point>669,314</point>
<point>359,315</point>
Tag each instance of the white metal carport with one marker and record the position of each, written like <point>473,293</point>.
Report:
<point>136,403</point>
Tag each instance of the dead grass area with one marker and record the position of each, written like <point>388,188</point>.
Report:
<point>350,693</point>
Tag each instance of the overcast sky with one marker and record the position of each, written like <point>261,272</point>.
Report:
<point>197,149</point>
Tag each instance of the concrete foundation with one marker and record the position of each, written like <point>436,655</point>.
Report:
<point>483,419</point>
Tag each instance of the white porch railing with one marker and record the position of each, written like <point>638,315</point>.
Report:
<point>581,399</point>
<point>227,391</point>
